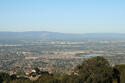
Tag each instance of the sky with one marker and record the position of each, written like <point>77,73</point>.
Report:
<point>68,16</point>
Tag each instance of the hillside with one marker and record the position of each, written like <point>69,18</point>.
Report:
<point>59,36</point>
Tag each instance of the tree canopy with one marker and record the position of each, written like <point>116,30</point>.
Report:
<point>95,70</point>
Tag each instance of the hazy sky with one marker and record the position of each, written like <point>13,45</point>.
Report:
<point>69,16</point>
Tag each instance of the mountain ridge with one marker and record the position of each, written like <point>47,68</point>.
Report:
<point>57,35</point>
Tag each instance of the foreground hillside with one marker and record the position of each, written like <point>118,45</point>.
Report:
<point>93,70</point>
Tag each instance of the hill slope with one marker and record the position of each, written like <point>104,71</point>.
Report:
<point>59,36</point>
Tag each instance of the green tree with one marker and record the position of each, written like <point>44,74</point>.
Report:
<point>13,77</point>
<point>119,73</point>
<point>69,78</point>
<point>37,70</point>
<point>47,79</point>
<point>95,70</point>
<point>4,77</point>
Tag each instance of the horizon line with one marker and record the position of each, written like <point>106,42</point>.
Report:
<point>69,32</point>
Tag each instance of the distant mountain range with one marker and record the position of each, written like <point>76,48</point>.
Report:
<point>59,36</point>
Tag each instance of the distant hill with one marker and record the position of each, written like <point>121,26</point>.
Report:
<point>58,36</point>
<point>39,35</point>
<point>105,36</point>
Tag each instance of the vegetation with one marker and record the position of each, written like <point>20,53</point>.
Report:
<point>92,70</point>
<point>95,70</point>
<point>119,73</point>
